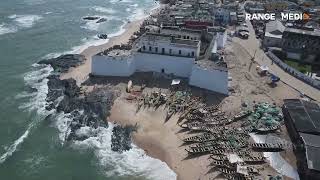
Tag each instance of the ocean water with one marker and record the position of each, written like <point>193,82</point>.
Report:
<point>32,147</point>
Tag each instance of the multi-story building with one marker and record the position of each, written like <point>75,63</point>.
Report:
<point>169,45</point>
<point>302,44</point>
<point>273,34</point>
<point>163,53</point>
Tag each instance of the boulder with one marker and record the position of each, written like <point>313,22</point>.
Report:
<point>101,20</point>
<point>91,18</point>
<point>102,36</point>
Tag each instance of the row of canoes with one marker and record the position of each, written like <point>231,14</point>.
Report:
<point>268,146</point>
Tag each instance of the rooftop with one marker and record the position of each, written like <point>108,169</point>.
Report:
<point>116,53</point>
<point>301,31</point>
<point>211,65</point>
<point>304,114</point>
<point>185,42</point>
<point>275,27</point>
<point>312,146</point>
<point>165,37</point>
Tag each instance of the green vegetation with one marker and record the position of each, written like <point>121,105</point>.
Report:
<point>303,68</point>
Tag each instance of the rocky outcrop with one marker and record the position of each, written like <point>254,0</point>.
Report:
<point>101,20</point>
<point>121,138</point>
<point>85,110</point>
<point>102,36</point>
<point>90,110</point>
<point>65,62</point>
<point>91,18</point>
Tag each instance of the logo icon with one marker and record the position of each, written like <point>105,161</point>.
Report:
<point>306,16</point>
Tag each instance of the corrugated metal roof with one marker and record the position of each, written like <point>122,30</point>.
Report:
<point>305,115</point>
<point>312,146</point>
<point>274,26</point>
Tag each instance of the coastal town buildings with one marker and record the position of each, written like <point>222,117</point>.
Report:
<point>301,44</point>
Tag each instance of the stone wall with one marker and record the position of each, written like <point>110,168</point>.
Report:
<point>293,72</point>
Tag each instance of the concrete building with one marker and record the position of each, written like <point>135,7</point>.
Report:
<point>273,34</point>
<point>222,16</point>
<point>181,33</point>
<point>169,45</point>
<point>221,39</point>
<point>233,17</point>
<point>302,45</point>
<point>163,54</point>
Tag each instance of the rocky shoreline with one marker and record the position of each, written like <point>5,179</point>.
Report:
<point>90,109</point>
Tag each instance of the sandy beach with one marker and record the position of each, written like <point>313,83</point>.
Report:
<point>162,140</point>
<point>80,73</point>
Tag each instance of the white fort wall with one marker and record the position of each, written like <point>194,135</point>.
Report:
<point>112,66</point>
<point>179,66</point>
<point>211,79</point>
<point>141,62</point>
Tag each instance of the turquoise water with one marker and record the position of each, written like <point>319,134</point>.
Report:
<point>32,147</point>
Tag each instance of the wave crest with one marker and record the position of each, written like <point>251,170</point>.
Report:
<point>132,162</point>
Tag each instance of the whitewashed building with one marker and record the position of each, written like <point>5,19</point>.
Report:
<point>273,34</point>
<point>163,54</point>
<point>168,45</point>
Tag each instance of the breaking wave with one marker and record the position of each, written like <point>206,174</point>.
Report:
<point>37,80</point>
<point>25,21</point>
<point>104,10</point>
<point>13,147</point>
<point>5,29</point>
<point>133,162</point>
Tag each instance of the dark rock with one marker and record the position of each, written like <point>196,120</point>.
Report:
<point>101,20</point>
<point>91,110</point>
<point>65,62</point>
<point>121,138</point>
<point>91,18</point>
<point>102,36</point>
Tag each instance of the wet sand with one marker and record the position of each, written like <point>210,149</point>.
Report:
<point>160,139</point>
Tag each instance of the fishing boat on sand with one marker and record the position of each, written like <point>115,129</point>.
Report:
<point>268,146</point>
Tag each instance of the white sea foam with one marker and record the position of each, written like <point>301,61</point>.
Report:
<point>34,2</point>
<point>37,79</point>
<point>132,162</point>
<point>5,29</point>
<point>37,101</point>
<point>119,32</point>
<point>275,159</point>
<point>104,10</point>
<point>91,26</point>
<point>25,21</point>
<point>13,147</point>
<point>62,123</point>
<point>141,13</point>
<point>134,5</point>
